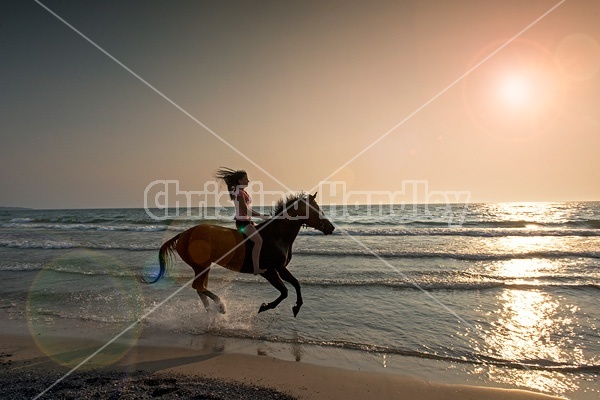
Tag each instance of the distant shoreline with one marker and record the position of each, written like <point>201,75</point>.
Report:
<point>3,208</point>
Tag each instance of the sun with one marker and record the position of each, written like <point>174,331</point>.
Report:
<point>515,95</point>
<point>515,90</point>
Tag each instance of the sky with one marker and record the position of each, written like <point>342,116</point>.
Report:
<point>376,93</point>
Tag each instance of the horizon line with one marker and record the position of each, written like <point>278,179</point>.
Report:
<point>22,208</point>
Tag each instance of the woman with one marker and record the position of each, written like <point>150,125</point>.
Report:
<point>236,182</point>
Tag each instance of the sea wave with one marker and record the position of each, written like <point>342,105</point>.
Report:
<point>88,227</point>
<point>87,317</point>
<point>95,221</point>
<point>37,244</point>
<point>50,244</point>
<point>68,269</point>
<point>533,283</point>
<point>472,358</point>
<point>21,220</point>
<point>426,282</point>
<point>551,254</point>
<point>20,266</point>
<point>455,286</point>
<point>383,220</point>
<point>503,229</point>
<point>467,232</point>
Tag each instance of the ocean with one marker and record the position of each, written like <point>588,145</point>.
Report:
<point>492,294</point>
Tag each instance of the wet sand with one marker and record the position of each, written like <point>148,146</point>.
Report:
<point>166,372</point>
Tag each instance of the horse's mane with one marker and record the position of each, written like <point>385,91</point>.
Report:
<point>283,204</point>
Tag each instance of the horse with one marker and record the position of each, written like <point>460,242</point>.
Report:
<point>205,244</point>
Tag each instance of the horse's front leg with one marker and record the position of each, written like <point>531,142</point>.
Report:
<point>275,280</point>
<point>287,276</point>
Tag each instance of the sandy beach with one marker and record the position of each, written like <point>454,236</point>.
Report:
<point>176,372</point>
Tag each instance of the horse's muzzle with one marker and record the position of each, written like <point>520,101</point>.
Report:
<point>326,227</point>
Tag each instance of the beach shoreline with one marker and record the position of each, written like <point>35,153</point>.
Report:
<point>164,371</point>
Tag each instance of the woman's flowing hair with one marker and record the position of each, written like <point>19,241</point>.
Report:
<point>231,178</point>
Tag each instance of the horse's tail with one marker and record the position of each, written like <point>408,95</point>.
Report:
<point>165,257</point>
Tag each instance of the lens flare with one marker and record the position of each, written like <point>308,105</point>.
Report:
<point>517,94</point>
<point>578,57</point>
<point>80,301</point>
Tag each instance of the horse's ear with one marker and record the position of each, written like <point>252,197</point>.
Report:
<point>314,196</point>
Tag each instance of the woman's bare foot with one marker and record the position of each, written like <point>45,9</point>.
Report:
<point>259,271</point>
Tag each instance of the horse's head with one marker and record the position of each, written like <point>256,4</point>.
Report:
<point>309,212</point>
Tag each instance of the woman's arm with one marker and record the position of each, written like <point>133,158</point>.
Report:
<point>242,206</point>
<point>259,215</point>
<point>244,209</point>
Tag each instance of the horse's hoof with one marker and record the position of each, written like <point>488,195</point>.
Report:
<point>222,309</point>
<point>263,307</point>
<point>295,310</point>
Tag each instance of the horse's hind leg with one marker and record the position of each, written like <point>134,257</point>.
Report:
<point>287,276</point>
<point>275,280</point>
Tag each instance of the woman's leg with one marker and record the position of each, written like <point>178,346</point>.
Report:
<point>253,235</point>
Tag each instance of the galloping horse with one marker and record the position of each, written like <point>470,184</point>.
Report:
<point>203,245</point>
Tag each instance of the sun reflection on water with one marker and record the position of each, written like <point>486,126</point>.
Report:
<point>529,213</point>
<point>524,326</point>
<point>532,331</point>
<point>524,244</point>
<point>529,222</point>
<point>525,272</point>
<point>530,328</point>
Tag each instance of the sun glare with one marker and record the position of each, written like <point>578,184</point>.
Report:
<point>515,95</point>
<point>515,90</point>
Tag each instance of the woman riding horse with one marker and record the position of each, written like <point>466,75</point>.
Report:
<point>205,244</point>
<point>237,182</point>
